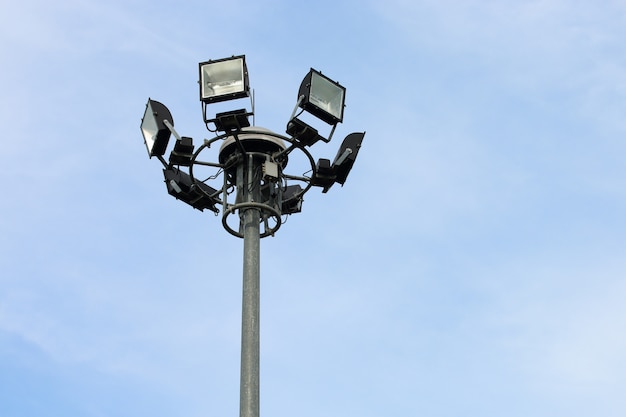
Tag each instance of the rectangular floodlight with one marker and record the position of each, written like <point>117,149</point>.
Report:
<point>155,133</point>
<point>346,156</point>
<point>322,97</point>
<point>224,79</point>
<point>198,195</point>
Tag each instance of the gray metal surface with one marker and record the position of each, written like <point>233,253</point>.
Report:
<point>250,320</point>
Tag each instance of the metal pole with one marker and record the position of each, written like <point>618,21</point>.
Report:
<point>250,340</point>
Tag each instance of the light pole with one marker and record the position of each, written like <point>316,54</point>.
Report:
<point>250,314</point>
<point>256,190</point>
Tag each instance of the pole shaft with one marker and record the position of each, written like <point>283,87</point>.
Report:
<point>250,322</point>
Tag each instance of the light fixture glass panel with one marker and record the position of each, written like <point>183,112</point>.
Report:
<point>149,128</point>
<point>223,78</point>
<point>155,134</point>
<point>327,95</point>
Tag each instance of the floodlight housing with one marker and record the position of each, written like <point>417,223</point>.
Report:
<point>324,175</point>
<point>346,156</point>
<point>198,195</point>
<point>322,97</point>
<point>292,199</point>
<point>302,132</point>
<point>182,152</point>
<point>231,120</point>
<point>156,134</point>
<point>224,79</point>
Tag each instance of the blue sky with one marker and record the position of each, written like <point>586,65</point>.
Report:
<point>473,264</point>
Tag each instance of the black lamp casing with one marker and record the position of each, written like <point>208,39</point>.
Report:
<point>302,132</point>
<point>231,120</point>
<point>292,201</point>
<point>183,152</point>
<point>352,144</point>
<point>324,176</point>
<point>186,190</point>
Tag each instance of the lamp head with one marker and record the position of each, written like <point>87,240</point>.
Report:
<point>346,156</point>
<point>182,153</point>
<point>155,133</point>
<point>198,195</point>
<point>224,79</point>
<point>302,132</point>
<point>292,199</point>
<point>324,176</point>
<point>322,97</point>
<point>231,120</point>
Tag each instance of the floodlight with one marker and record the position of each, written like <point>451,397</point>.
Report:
<point>183,152</point>
<point>324,175</point>
<point>292,199</point>
<point>346,156</point>
<point>322,97</point>
<point>198,195</point>
<point>232,120</point>
<point>302,132</point>
<point>224,79</point>
<point>155,132</point>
